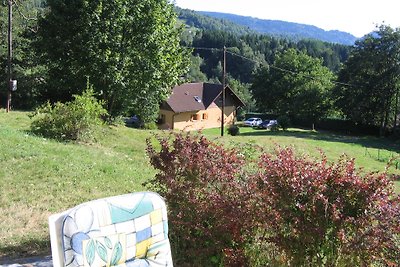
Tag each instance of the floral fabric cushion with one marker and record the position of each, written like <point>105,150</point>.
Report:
<point>127,230</point>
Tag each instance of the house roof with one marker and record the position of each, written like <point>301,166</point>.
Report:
<point>197,96</point>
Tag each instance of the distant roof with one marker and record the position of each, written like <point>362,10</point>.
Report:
<point>196,96</point>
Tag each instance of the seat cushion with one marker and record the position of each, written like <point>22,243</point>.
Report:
<point>126,230</point>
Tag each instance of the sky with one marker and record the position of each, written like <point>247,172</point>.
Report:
<point>357,17</point>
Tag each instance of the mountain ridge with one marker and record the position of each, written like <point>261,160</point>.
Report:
<point>284,28</point>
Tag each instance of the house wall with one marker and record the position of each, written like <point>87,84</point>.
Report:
<point>168,119</point>
<point>203,119</point>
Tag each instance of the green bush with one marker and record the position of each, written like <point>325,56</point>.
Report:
<point>284,122</point>
<point>73,120</point>
<point>150,126</point>
<point>233,130</point>
<point>115,121</point>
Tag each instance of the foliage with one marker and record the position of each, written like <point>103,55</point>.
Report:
<point>242,90</point>
<point>73,120</point>
<point>297,86</point>
<point>25,66</point>
<point>293,31</point>
<point>233,130</point>
<point>368,92</point>
<point>284,122</point>
<point>197,20</point>
<point>333,54</point>
<point>259,50</point>
<point>194,74</point>
<point>300,211</point>
<point>210,32</point>
<point>129,48</point>
<point>324,214</point>
<point>201,184</point>
<point>150,126</point>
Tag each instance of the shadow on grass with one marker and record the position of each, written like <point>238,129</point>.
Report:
<point>29,248</point>
<point>365,141</point>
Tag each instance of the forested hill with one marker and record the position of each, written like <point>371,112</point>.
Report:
<point>195,19</point>
<point>294,31</point>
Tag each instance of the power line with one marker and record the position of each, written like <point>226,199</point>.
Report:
<point>289,71</point>
<point>205,48</point>
<point>271,65</point>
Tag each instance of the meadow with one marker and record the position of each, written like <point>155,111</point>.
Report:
<point>39,176</point>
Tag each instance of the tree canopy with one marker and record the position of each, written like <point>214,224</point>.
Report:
<point>25,66</point>
<point>296,85</point>
<point>369,89</point>
<point>129,48</point>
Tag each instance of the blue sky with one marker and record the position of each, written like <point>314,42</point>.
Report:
<point>357,17</point>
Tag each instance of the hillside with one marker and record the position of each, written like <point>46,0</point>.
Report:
<point>197,20</point>
<point>286,29</point>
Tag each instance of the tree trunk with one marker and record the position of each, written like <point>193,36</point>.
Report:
<point>385,119</point>
<point>396,110</point>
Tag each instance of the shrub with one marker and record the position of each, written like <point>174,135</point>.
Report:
<point>115,121</point>
<point>73,120</point>
<point>206,198</point>
<point>291,211</point>
<point>284,122</point>
<point>150,126</point>
<point>233,130</point>
<point>321,215</point>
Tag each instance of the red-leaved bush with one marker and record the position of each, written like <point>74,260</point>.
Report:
<point>206,195</point>
<point>293,211</point>
<point>324,214</point>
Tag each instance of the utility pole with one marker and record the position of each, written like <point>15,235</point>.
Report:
<point>9,72</point>
<point>223,93</point>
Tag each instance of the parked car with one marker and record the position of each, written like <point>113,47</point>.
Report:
<point>268,124</point>
<point>253,122</point>
<point>133,121</point>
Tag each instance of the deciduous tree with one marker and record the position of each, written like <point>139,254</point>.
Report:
<point>129,48</point>
<point>25,68</point>
<point>296,85</point>
<point>370,90</point>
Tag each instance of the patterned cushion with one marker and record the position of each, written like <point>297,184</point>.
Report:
<point>127,230</point>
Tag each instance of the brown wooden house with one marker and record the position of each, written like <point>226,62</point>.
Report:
<point>195,106</point>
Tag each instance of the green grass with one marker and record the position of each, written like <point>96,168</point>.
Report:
<point>39,177</point>
<point>371,153</point>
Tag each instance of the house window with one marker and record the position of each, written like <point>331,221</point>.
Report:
<point>197,99</point>
<point>195,117</point>
<point>161,119</point>
<point>205,116</point>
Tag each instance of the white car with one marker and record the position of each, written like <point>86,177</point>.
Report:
<point>253,122</point>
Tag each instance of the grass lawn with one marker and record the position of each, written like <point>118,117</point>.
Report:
<point>371,153</point>
<point>39,177</point>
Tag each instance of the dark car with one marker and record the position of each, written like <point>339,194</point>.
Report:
<point>133,121</point>
<point>268,124</point>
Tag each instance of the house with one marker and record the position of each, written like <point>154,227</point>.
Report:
<point>194,106</point>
